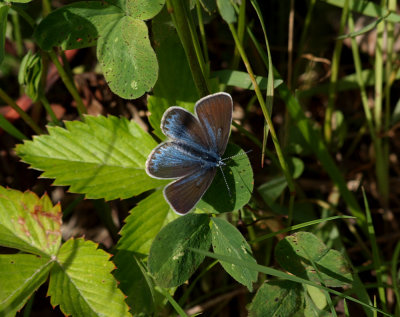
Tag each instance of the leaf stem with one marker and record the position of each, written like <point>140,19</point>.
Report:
<point>190,44</point>
<point>334,76</point>
<point>69,83</point>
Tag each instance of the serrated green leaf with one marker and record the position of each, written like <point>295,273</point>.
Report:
<point>227,240</point>
<point>3,26</point>
<point>170,262</point>
<point>239,176</point>
<point>76,25</point>
<point>277,298</point>
<point>143,224</point>
<point>20,276</point>
<point>127,59</point>
<point>103,157</point>
<point>294,253</point>
<point>29,223</point>
<point>81,282</point>
<point>135,283</point>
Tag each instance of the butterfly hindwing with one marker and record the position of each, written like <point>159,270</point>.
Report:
<point>184,193</point>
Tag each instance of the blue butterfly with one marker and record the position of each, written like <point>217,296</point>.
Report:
<point>194,150</point>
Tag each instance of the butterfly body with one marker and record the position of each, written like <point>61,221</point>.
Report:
<point>194,150</point>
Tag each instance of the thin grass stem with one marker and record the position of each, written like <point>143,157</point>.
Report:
<point>334,77</point>
<point>69,83</point>
<point>29,121</point>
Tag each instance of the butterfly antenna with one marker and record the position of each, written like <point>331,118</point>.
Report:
<point>226,183</point>
<point>229,157</point>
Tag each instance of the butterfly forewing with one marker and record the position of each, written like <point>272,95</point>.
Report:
<point>172,160</point>
<point>184,193</point>
<point>215,116</point>
<point>179,124</point>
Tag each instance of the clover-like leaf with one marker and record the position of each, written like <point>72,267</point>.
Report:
<point>103,157</point>
<point>127,59</point>
<point>124,51</point>
<point>239,178</point>
<point>227,240</point>
<point>76,25</point>
<point>134,281</point>
<point>297,254</point>
<point>278,298</point>
<point>82,284</point>
<point>170,262</point>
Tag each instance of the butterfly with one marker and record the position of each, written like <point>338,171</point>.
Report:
<point>193,152</point>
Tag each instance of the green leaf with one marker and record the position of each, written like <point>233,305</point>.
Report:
<point>141,9</point>
<point>103,157</point>
<point>318,297</point>
<point>396,113</point>
<point>81,282</point>
<point>272,189</point>
<point>226,10</point>
<point>170,262</point>
<point>135,283</point>
<point>76,25</point>
<point>227,240</point>
<point>30,73</point>
<point>277,298</point>
<point>20,276</point>
<point>10,128</point>
<point>239,176</point>
<point>365,29</point>
<point>127,59</point>
<point>366,8</point>
<point>286,276</point>
<point>29,223</point>
<point>242,79</point>
<point>314,303</point>
<point>3,27</point>
<point>294,253</point>
<point>143,224</point>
